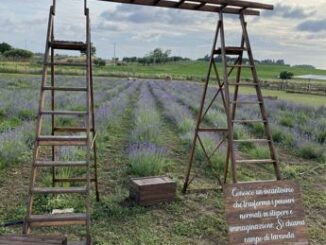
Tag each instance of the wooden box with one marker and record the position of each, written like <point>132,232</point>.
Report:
<point>152,190</point>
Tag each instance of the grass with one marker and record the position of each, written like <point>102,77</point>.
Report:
<point>304,99</point>
<point>190,70</point>
<point>195,218</point>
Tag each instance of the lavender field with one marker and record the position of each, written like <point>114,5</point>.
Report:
<point>145,128</point>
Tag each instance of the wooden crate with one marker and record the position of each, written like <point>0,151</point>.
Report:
<point>32,240</point>
<point>152,190</point>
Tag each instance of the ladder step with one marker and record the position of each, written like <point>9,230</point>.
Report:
<point>69,113</point>
<point>68,45</point>
<point>68,89</point>
<point>249,121</point>
<point>67,129</point>
<point>60,163</point>
<point>66,64</point>
<point>246,102</point>
<point>252,140</point>
<point>62,140</point>
<point>59,190</point>
<point>71,180</point>
<point>230,50</point>
<point>244,84</point>
<point>256,161</point>
<point>57,220</point>
<point>240,66</point>
<point>212,129</point>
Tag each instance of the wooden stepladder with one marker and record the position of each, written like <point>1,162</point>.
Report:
<point>230,104</point>
<point>81,137</point>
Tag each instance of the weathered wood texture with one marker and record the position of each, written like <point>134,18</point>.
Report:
<point>265,213</point>
<point>32,240</point>
<point>152,190</point>
<point>225,6</point>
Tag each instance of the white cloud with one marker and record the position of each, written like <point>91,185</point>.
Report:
<point>277,35</point>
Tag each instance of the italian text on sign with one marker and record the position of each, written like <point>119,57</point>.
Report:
<point>265,213</point>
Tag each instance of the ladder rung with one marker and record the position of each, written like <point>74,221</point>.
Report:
<point>256,161</point>
<point>212,129</point>
<point>249,121</point>
<point>240,66</point>
<point>246,102</point>
<point>68,45</point>
<point>67,180</point>
<point>68,89</point>
<point>62,140</point>
<point>252,140</point>
<point>60,163</point>
<point>59,190</point>
<point>244,84</point>
<point>57,219</point>
<point>71,129</point>
<point>66,64</point>
<point>69,113</point>
<point>231,50</point>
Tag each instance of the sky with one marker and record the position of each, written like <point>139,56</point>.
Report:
<point>295,31</point>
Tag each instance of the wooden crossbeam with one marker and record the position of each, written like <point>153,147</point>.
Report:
<point>202,5</point>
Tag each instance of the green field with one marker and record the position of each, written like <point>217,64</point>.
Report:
<point>192,70</point>
<point>161,115</point>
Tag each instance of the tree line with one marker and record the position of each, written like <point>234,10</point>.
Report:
<point>157,56</point>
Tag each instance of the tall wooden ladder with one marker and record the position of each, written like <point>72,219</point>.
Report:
<point>81,137</point>
<point>230,104</point>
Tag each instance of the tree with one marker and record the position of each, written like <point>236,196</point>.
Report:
<point>93,50</point>
<point>18,53</point>
<point>286,75</point>
<point>5,47</point>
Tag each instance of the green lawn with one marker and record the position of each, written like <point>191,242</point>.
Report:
<point>192,70</point>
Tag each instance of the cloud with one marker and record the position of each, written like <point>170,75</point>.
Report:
<point>145,15</point>
<point>288,12</point>
<point>312,26</point>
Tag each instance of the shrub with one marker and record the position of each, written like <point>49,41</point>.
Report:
<point>18,53</point>
<point>312,151</point>
<point>99,62</point>
<point>146,160</point>
<point>285,138</point>
<point>287,120</point>
<point>286,75</point>
<point>4,47</point>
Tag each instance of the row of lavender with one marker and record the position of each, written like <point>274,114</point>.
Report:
<point>16,140</point>
<point>300,129</point>
<point>147,153</point>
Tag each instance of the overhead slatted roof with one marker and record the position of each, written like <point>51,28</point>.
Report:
<point>225,6</point>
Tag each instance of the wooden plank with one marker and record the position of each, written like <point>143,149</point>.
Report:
<point>252,140</point>
<point>67,113</point>
<point>33,240</point>
<point>60,163</point>
<point>66,89</point>
<point>265,213</point>
<point>187,6</point>
<point>68,45</point>
<point>58,190</point>
<point>57,220</point>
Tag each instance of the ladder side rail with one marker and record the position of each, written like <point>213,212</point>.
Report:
<point>235,97</point>
<point>88,123</point>
<point>93,127</point>
<point>260,97</point>
<point>26,228</point>
<point>53,102</point>
<point>199,119</point>
<point>227,97</point>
